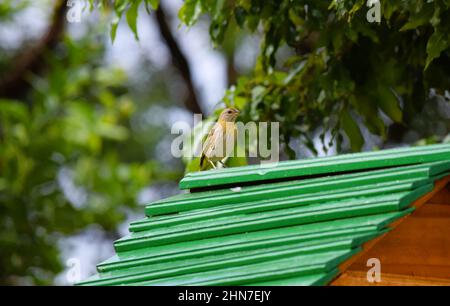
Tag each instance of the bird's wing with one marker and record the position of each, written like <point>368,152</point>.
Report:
<point>207,144</point>
<point>230,139</point>
<point>210,143</point>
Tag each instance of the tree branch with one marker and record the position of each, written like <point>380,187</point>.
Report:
<point>232,74</point>
<point>179,61</point>
<point>14,84</point>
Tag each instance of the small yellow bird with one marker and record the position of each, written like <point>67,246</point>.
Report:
<point>220,141</point>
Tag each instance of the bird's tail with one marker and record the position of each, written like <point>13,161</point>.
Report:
<point>202,161</point>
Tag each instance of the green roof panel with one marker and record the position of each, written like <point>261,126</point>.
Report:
<point>240,258</point>
<point>268,270</point>
<point>305,280</point>
<point>251,240</point>
<point>340,182</point>
<point>315,166</point>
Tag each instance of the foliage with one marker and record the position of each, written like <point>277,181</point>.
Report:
<point>340,65</point>
<point>341,72</point>
<point>67,161</point>
<point>8,8</point>
<point>130,9</point>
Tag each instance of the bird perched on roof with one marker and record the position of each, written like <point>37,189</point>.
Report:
<point>220,140</point>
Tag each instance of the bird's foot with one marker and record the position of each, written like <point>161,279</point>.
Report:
<point>223,165</point>
<point>214,166</point>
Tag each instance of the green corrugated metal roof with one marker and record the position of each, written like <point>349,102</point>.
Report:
<point>269,232</point>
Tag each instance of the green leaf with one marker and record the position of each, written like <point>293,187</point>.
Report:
<point>190,12</point>
<point>91,5</point>
<point>239,15</point>
<point>219,23</point>
<point>420,18</point>
<point>114,25</point>
<point>388,103</point>
<point>258,93</point>
<point>369,112</point>
<point>352,131</point>
<point>240,102</point>
<point>253,22</point>
<point>298,68</point>
<point>113,132</point>
<point>153,3</point>
<point>13,109</point>
<point>356,7</point>
<point>119,8</point>
<point>438,42</point>
<point>132,14</point>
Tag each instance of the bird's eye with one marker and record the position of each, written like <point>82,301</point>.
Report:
<point>229,112</point>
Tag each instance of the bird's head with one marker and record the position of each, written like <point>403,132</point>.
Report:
<point>229,114</point>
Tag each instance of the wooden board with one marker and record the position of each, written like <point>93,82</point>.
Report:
<point>418,247</point>
<point>442,197</point>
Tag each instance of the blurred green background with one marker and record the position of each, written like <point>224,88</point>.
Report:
<point>85,123</point>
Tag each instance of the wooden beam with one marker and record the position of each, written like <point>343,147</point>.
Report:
<point>442,197</point>
<point>359,278</point>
